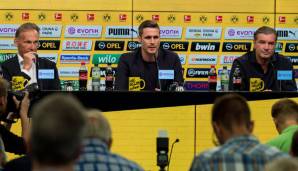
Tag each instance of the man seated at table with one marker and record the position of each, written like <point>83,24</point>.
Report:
<point>27,64</point>
<point>158,67</point>
<point>262,65</point>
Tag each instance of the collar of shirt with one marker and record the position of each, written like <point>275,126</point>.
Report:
<point>290,128</point>
<point>31,73</point>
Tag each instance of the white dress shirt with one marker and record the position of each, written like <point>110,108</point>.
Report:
<point>31,73</point>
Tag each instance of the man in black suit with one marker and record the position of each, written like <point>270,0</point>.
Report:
<point>159,68</point>
<point>27,64</point>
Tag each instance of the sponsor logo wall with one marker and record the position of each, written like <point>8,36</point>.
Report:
<point>100,37</point>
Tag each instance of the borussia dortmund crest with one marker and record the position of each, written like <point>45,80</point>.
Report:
<point>266,19</point>
<point>139,18</point>
<point>296,19</point>
<point>171,18</point>
<point>203,19</point>
<point>74,17</point>
<point>8,16</point>
<point>41,16</point>
<point>106,17</point>
<point>234,19</point>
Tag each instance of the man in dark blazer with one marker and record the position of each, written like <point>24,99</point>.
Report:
<point>27,64</point>
<point>159,68</point>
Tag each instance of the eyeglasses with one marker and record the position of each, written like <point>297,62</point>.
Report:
<point>35,43</point>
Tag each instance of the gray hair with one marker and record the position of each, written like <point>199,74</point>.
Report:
<point>98,126</point>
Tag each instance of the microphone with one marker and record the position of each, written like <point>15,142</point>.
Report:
<point>36,61</point>
<point>176,141</point>
<point>157,66</point>
<point>162,148</point>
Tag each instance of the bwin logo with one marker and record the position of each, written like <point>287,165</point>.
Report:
<point>207,47</point>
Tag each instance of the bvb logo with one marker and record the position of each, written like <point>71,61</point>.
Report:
<point>139,18</point>
<point>41,16</point>
<point>266,19</point>
<point>171,18</point>
<point>296,19</point>
<point>8,16</point>
<point>106,17</point>
<point>74,17</point>
<point>234,19</point>
<point>203,19</point>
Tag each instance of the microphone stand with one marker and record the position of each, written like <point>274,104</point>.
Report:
<point>157,66</point>
<point>36,70</point>
<point>176,141</point>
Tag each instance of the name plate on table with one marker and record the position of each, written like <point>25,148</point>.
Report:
<point>284,75</point>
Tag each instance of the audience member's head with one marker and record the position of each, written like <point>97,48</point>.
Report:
<point>294,145</point>
<point>284,113</point>
<point>58,123</point>
<point>98,127</point>
<point>231,117</point>
<point>283,164</point>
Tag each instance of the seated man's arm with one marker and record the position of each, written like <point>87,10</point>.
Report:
<point>122,72</point>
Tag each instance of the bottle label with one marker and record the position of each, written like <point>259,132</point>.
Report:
<point>237,80</point>
<point>83,76</point>
<point>212,79</point>
<point>109,78</point>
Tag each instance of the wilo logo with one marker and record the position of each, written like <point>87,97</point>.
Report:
<point>105,58</point>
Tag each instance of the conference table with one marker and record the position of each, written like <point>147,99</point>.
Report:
<point>125,100</point>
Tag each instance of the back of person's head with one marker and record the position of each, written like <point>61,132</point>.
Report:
<point>285,109</point>
<point>283,164</point>
<point>3,87</point>
<point>58,123</point>
<point>294,145</point>
<point>265,30</point>
<point>98,126</point>
<point>25,27</point>
<point>231,110</point>
<point>147,24</point>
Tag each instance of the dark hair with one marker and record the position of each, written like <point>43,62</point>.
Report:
<point>231,109</point>
<point>58,123</point>
<point>3,87</point>
<point>285,107</point>
<point>265,30</point>
<point>25,27</point>
<point>294,145</point>
<point>147,24</point>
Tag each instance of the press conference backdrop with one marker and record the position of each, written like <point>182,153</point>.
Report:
<point>201,32</point>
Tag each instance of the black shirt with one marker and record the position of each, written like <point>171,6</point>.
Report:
<point>250,68</point>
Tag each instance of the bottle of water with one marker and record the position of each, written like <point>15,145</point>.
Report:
<point>95,73</point>
<point>224,79</point>
<point>83,77</point>
<point>212,78</point>
<point>109,78</point>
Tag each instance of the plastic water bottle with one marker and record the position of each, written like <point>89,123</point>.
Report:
<point>83,77</point>
<point>212,78</point>
<point>95,73</point>
<point>224,79</point>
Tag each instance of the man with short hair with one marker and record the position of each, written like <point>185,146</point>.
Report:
<point>149,62</point>
<point>239,150</point>
<point>285,164</point>
<point>285,116</point>
<point>263,63</point>
<point>96,153</point>
<point>27,63</point>
<point>58,123</point>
